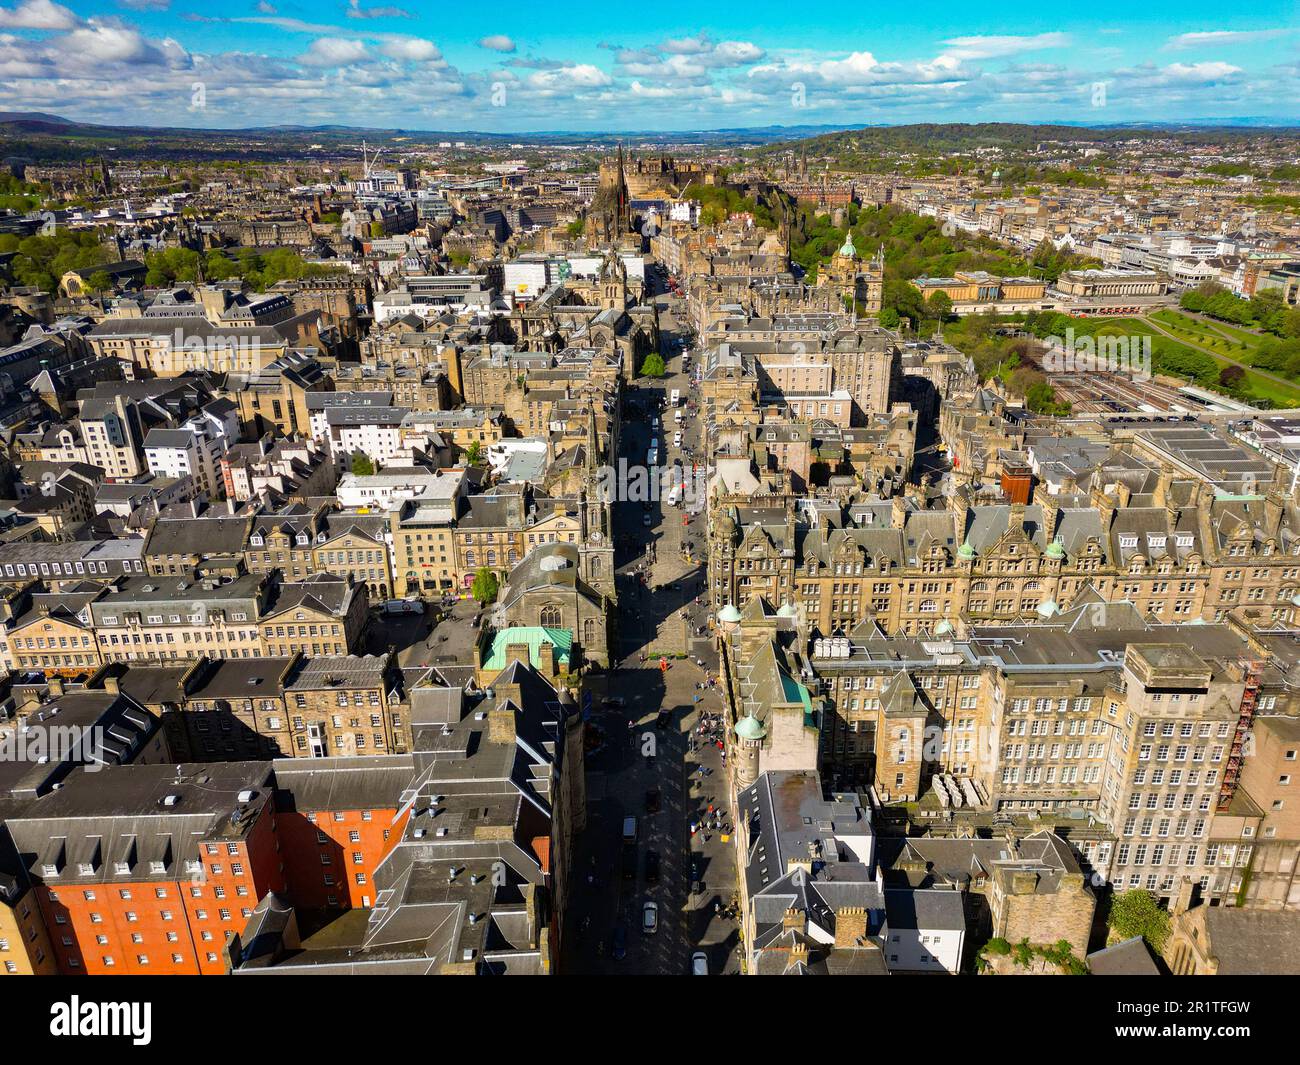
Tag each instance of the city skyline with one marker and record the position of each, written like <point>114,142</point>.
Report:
<point>164,63</point>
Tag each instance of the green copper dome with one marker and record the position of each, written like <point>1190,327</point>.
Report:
<point>848,249</point>
<point>729,615</point>
<point>1055,550</point>
<point>966,552</point>
<point>750,728</point>
<point>786,611</point>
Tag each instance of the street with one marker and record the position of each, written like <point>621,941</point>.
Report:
<point>643,761</point>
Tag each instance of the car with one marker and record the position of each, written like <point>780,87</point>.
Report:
<point>699,964</point>
<point>613,702</point>
<point>619,946</point>
<point>651,867</point>
<point>652,801</point>
<point>646,520</point>
<point>650,918</point>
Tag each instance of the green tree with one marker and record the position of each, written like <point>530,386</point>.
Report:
<point>889,318</point>
<point>485,586</point>
<point>653,365</point>
<point>474,453</point>
<point>1136,913</point>
<point>99,283</point>
<point>940,304</point>
<point>361,464</point>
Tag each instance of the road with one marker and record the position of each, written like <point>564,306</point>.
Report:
<point>660,573</point>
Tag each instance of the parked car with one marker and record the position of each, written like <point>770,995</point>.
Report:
<point>620,942</point>
<point>699,964</point>
<point>652,801</point>
<point>650,918</point>
<point>651,867</point>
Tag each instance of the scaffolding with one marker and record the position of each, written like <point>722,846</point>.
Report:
<point>1252,671</point>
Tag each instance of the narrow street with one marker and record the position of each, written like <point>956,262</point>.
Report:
<point>651,762</point>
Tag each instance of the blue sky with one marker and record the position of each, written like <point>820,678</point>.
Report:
<point>587,65</point>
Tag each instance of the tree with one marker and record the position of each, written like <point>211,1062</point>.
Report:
<point>485,586</point>
<point>474,453</point>
<point>940,304</point>
<point>1136,913</point>
<point>1231,376</point>
<point>889,318</point>
<point>99,282</point>
<point>361,464</point>
<point>653,365</point>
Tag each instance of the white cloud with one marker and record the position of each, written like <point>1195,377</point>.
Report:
<point>497,42</point>
<point>355,10</point>
<point>1201,71</point>
<point>334,52</point>
<point>1220,37</point>
<point>411,49</point>
<point>103,43</point>
<point>999,47</point>
<point>38,15</point>
<point>580,75</point>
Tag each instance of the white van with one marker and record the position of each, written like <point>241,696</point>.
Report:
<point>677,438</point>
<point>674,397</point>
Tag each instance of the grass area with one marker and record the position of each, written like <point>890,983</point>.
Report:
<point>1242,348</point>
<point>1179,360</point>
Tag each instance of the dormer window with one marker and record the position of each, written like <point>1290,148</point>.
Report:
<point>255,540</point>
<point>1157,542</point>
<point>1128,541</point>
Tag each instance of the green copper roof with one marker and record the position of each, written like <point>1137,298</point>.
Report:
<point>750,728</point>
<point>847,248</point>
<point>534,636</point>
<point>966,551</point>
<point>1055,550</point>
<point>729,614</point>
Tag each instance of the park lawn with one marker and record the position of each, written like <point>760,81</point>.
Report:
<point>1201,333</point>
<point>1255,386</point>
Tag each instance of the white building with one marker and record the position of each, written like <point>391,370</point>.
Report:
<point>375,431</point>
<point>396,485</point>
<point>924,930</point>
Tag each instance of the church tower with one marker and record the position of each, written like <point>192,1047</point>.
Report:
<point>597,543</point>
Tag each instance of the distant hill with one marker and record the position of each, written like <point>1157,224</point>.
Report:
<point>929,137</point>
<point>49,137</point>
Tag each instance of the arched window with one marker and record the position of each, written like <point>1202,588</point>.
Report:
<point>550,618</point>
<point>590,634</point>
